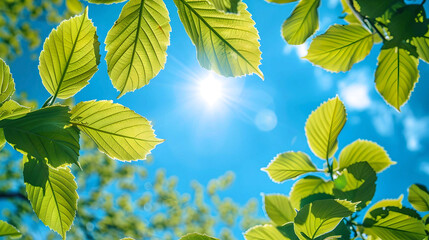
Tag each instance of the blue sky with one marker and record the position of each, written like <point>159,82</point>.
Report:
<point>256,119</point>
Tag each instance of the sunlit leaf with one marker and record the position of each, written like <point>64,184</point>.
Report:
<point>214,33</point>
<point>52,193</point>
<point>288,231</point>
<point>320,217</point>
<point>8,230</point>
<point>74,6</point>
<point>11,110</point>
<point>289,165</point>
<point>229,6</point>
<point>385,203</point>
<point>308,186</point>
<point>365,151</point>
<point>422,45</point>
<point>105,1</point>
<point>137,44</point>
<point>373,9</point>
<point>340,47</point>
<point>6,82</point>
<point>396,75</point>
<point>281,1</point>
<point>44,134</point>
<point>70,57</point>
<point>118,131</point>
<point>350,17</point>
<point>340,232</point>
<point>279,208</point>
<point>323,127</point>
<point>418,196</point>
<point>425,221</point>
<point>263,232</point>
<point>302,23</point>
<point>197,236</point>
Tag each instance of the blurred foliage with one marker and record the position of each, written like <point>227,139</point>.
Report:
<point>19,20</point>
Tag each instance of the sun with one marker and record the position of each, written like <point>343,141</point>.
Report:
<point>211,90</point>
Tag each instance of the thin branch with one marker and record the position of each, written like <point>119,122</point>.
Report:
<point>364,20</point>
<point>13,195</point>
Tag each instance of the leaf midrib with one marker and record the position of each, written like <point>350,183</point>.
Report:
<point>217,34</point>
<point>58,207</point>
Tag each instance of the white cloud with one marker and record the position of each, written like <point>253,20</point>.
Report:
<point>354,90</point>
<point>333,4</point>
<point>300,50</point>
<point>382,119</point>
<point>415,130</point>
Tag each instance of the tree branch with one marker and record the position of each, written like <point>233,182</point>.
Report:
<point>13,195</point>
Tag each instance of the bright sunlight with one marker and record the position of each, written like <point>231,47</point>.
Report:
<point>211,90</point>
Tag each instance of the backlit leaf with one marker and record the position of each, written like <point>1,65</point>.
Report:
<point>323,127</point>
<point>288,231</point>
<point>373,8</point>
<point>308,186</point>
<point>105,1</point>
<point>70,57</point>
<point>289,165</point>
<point>350,17</point>
<point>7,85</point>
<point>74,6</point>
<point>44,134</point>
<point>396,75</point>
<point>365,151</point>
<point>137,44</point>
<point>263,232</point>
<point>229,6</point>
<point>215,35</point>
<point>340,47</point>
<point>418,196</point>
<point>197,236</point>
<point>279,208</point>
<point>118,131</point>
<point>11,110</point>
<point>52,193</point>
<point>281,1</point>
<point>8,230</point>
<point>302,23</point>
<point>422,45</point>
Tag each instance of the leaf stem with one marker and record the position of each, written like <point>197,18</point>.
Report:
<point>364,20</point>
<point>330,169</point>
<point>47,102</point>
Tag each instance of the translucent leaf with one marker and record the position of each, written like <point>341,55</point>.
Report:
<point>288,231</point>
<point>323,127</point>
<point>70,57</point>
<point>289,165</point>
<point>197,236</point>
<point>396,75</point>
<point>215,35</point>
<point>8,230</point>
<point>11,110</point>
<point>6,82</point>
<point>385,203</point>
<point>426,222</point>
<point>229,6</point>
<point>105,1</point>
<point>365,151</point>
<point>320,217</point>
<point>74,6</point>
<point>44,134</point>
<point>308,186</point>
<point>418,196</point>
<point>263,232</point>
<point>281,1</point>
<point>350,17</point>
<point>422,45</point>
<point>52,193</point>
<point>118,131</point>
<point>279,208</point>
<point>137,44</point>
<point>340,47</point>
<point>340,232</point>
<point>302,23</point>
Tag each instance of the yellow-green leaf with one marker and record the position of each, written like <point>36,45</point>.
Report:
<point>74,6</point>
<point>226,43</point>
<point>365,151</point>
<point>279,208</point>
<point>52,193</point>
<point>229,6</point>
<point>44,134</point>
<point>422,46</point>
<point>118,131</point>
<point>396,75</point>
<point>105,1</point>
<point>320,217</point>
<point>8,230</point>
<point>289,165</point>
<point>11,110</point>
<point>303,22</point>
<point>70,57</point>
<point>350,17</point>
<point>7,85</point>
<point>418,196</point>
<point>197,236</point>
<point>323,127</point>
<point>263,232</point>
<point>137,44</point>
<point>385,203</point>
<point>340,47</point>
<point>308,186</point>
<point>281,1</point>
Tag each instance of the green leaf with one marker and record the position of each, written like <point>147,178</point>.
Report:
<point>197,236</point>
<point>137,44</point>
<point>320,217</point>
<point>289,165</point>
<point>373,9</point>
<point>118,131</point>
<point>308,186</point>
<point>341,232</point>
<point>422,45</point>
<point>359,185</point>
<point>11,110</point>
<point>340,47</point>
<point>281,1</point>
<point>418,196</point>
<point>323,127</point>
<point>6,82</point>
<point>396,75</point>
<point>385,203</point>
<point>288,231</point>
<point>52,193</point>
<point>350,17</point>
<point>229,6</point>
<point>8,230</point>
<point>425,221</point>
<point>279,208</point>
<point>70,57</point>
<point>214,33</point>
<point>303,22</point>
<point>45,134</point>
<point>365,151</point>
<point>408,22</point>
<point>263,232</point>
<point>74,6</point>
<point>105,1</point>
